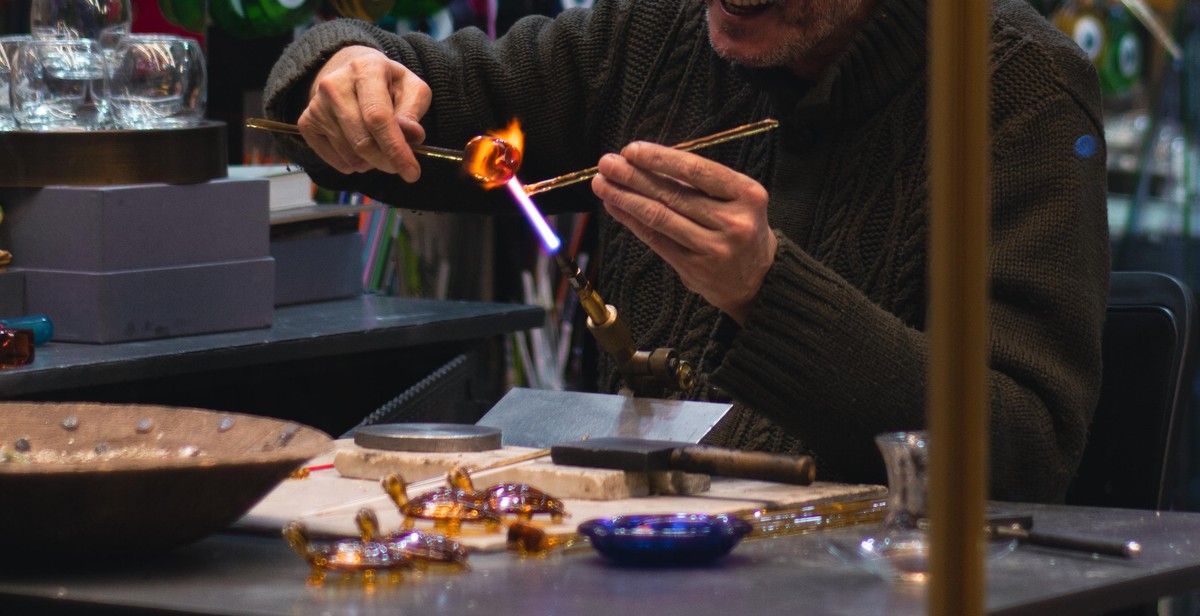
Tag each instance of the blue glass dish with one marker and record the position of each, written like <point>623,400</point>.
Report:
<point>669,539</point>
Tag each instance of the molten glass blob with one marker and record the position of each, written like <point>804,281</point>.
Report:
<point>491,160</point>
<point>494,159</point>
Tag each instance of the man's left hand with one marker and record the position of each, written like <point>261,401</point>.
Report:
<point>707,221</point>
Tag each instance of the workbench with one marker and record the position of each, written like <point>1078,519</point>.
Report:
<point>326,364</point>
<point>259,574</point>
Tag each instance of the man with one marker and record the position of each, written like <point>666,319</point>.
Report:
<point>789,268</point>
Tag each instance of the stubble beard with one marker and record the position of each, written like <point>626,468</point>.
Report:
<point>795,51</point>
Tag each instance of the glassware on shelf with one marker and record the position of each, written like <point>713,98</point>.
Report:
<point>59,85</point>
<point>158,81</point>
<point>8,49</point>
<point>104,21</point>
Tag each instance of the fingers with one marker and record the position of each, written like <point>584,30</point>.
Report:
<point>665,246</point>
<point>364,112</point>
<point>709,177</point>
<point>631,194</point>
<point>708,222</point>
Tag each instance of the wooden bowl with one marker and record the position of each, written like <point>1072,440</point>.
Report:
<point>119,479</point>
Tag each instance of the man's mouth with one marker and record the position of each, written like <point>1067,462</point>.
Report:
<point>746,7</point>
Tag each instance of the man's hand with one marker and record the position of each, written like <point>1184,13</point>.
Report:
<point>363,111</point>
<point>705,220</point>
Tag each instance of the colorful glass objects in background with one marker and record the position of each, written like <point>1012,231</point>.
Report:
<point>187,14</point>
<point>39,324</point>
<point>366,10</point>
<point>417,9</point>
<point>674,539</point>
<point>1084,22</point>
<point>1121,58</point>
<point>1110,37</point>
<point>261,18</point>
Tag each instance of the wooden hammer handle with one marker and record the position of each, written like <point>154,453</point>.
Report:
<point>782,468</point>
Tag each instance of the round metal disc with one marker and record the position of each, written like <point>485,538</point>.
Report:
<point>428,437</point>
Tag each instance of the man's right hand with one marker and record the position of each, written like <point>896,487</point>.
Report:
<point>363,112</point>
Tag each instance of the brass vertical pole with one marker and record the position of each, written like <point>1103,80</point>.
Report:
<point>958,412</point>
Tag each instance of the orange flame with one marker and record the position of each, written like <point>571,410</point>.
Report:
<point>495,159</point>
<point>512,135</point>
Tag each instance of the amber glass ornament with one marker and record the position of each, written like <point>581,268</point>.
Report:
<point>16,347</point>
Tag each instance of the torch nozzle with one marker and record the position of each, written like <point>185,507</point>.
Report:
<point>591,302</point>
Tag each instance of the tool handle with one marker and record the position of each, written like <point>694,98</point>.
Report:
<point>782,468</point>
<point>1078,543</point>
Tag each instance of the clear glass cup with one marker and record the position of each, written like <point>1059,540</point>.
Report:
<point>8,49</point>
<point>59,85</point>
<point>158,81</point>
<point>902,546</point>
<point>105,21</point>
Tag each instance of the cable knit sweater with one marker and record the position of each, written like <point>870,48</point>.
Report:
<point>833,351</point>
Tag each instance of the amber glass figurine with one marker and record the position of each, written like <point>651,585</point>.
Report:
<point>447,507</point>
<point>521,500</point>
<point>16,347</point>
<point>346,556</point>
<point>422,548</point>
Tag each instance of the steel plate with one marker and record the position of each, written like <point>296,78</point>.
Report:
<point>428,437</point>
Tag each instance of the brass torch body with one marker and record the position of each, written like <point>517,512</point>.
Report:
<point>642,369</point>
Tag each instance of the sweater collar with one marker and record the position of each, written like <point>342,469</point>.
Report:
<point>882,58</point>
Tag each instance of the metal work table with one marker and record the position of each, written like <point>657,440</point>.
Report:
<point>251,574</point>
<point>337,349</point>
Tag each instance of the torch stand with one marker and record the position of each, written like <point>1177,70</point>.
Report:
<point>644,371</point>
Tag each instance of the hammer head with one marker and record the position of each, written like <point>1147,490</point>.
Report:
<point>616,452</point>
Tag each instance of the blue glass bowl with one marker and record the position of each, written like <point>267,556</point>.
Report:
<point>670,539</point>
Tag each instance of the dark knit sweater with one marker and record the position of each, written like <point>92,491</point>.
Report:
<point>833,351</point>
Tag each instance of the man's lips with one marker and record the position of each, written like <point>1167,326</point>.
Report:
<point>746,8</point>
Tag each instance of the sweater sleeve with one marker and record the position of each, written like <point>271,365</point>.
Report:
<point>544,73</point>
<point>832,367</point>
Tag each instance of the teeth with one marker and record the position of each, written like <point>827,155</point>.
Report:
<point>749,3</point>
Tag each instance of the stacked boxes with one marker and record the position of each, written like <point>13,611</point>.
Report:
<point>321,267</point>
<point>120,263</point>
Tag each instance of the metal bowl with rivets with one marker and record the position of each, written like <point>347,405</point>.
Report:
<point>114,479</point>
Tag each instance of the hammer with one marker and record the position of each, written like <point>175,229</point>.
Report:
<point>635,454</point>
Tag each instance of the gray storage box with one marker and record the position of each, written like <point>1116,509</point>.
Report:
<point>142,304</point>
<point>310,269</point>
<point>12,293</point>
<point>114,228</point>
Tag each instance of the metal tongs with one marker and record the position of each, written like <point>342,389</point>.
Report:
<point>1018,527</point>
